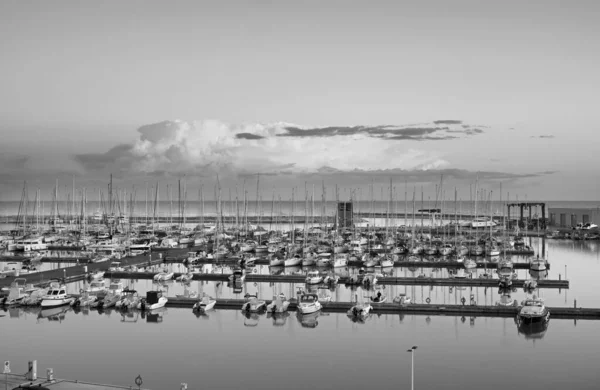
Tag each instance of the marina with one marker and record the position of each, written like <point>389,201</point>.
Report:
<point>291,195</point>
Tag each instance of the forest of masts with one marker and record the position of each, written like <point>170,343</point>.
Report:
<point>118,206</point>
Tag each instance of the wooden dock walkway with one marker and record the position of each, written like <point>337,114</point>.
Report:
<point>385,280</point>
<point>417,309</point>
<point>397,264</point>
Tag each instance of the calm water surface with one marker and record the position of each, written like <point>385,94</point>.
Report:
<point>225,349</point>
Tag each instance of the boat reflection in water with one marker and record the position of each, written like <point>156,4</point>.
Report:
<point>308,320</point>
<point>155,316</point>
<point>130,316</point>
<point>279,319</point>
<point>532,331</point>
<point>251,319</point>
<point>55,313</point>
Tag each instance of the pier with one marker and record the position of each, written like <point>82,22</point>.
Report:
<point>384,280</point>
<point>12,381</point>
<point>417,309</point>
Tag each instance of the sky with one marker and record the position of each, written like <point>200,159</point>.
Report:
<point>347,93</point>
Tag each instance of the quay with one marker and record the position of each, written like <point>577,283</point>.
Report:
<point>411,308</point>
<point>385,280</point>
<point>15,381</point>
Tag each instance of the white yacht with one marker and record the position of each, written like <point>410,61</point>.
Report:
<point>253,304</point>
<point>96,287</point>
<point>533,311</point>
<point>313,277</point>
<point>56,296</point>
<point>279,304</point>
<point>308,303</point>
<point>154,300</point>
<point>482,222</point>
<point>340,260</point>
<point>204,304</point>
<point>537,264</point>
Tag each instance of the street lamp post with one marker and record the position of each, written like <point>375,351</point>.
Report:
<point>412,367</point>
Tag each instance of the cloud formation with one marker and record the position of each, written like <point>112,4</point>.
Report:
<point>390,132</point>
<point>286,154</point>
<point>448,122</point>
<point>209,146</point>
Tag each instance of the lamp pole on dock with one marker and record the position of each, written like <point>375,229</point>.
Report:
<point>412,367</point>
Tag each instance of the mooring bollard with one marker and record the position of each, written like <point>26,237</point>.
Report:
<point>575,303</point>
<point>50,374</point>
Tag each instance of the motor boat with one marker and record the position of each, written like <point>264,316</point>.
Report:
<point>253,304</point>
<point>533,310</point>
<point>185,278</point>
<point>360,311</point>
<point>85,299</point>
<point>470,263</point>
<point>96,287</point>
<point>130,300</point>
<point>537,264</point>
<point>279,304</point>
<point>340,260</point>
<point>16,293</point>
<point>386,262</point>
<point>205,304</point>
<point>163,276</point>
<point>378,298</point>
<point>115,266</point>
<point>34,296</point>
<point>154,300</point>
<point>97,275</point>
<point>482,222</point>
<point>115,291</point>
<point>308,303</point>
<point>402,299</point>
<point>313,277</point>
<point>56,296</point>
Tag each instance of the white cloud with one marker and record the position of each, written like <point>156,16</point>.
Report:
<point>180,146</point>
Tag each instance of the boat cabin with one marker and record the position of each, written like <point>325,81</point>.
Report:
<point>313,274</point>
<point>309,298</point>
<point>54,291</point>
<point>152,297</point>
<point>114,286</point>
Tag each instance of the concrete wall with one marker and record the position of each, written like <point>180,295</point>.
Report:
<point>567,217</point>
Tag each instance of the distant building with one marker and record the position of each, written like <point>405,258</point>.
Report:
<point>569,217</point>
<point>344,215</point>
